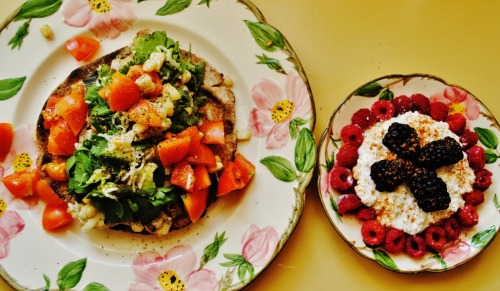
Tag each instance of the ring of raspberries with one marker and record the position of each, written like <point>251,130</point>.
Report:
<point>414,165</point>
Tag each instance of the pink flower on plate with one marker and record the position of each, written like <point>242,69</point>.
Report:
<point>274,111</point>
<point>105,18</point>
<point>176,270</point>
<point>10,225</point>
<point>22,155</point>
<point>325,184</point>
<point>456,252</point>
<point>459,101</point>
<point>259,245</point>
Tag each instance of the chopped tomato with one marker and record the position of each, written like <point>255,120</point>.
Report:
<point>202,156</point>
<point>82,47</point>
<point>143,112</point>
<point>121,93</point>
<point>7,134</point>
<point>183,176</point>
<point>47,194</point>
<point>246,168</point>
<point>56,216</point>
<point>213,132</point>
<point>235,175</point>
<point>136,71</point>
<point>61,139</point>
<point>195,203</point>
<point>73,109</point>
<point>229,180</point>
<point>201,177</point>
<point>22,184</point>
<point>193,132</point>
<point>173,150</point>
<point>49,114</point>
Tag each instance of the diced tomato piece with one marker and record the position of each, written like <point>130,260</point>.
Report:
<point>136,71</point>
<point>82,47</point>
<point>22,184</point>
<point>246,168</point>
<point>201,177</point>
<point>229,180</point>
<point>121,93</point>
<point>143,112</point>
<point>61,139</point>
<point>73,109</point>
<point>183,176</point>
<point>195,203</point>
<point>213,132</point>
<point>173,150</point>
<point>203,156</point>
<point>194,133</point>
<point>47,194</point>
<point>56,216</point>
<point>7,134</point>
<point>49,114</point>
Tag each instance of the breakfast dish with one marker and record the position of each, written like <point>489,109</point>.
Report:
<point>228,245</point>
<point>408,182</point>
<point>140,114</point>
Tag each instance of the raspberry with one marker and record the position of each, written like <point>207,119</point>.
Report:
<point>468,139</point>
<point>348,203</point>
<point>452,228</point>
<point>435,237</point>
<point>365,213</point>
<point>341,178</point>
<point>438,111</point>
<point>456,123</point>
<point>402,104</point>
<point>347,156</point>
<point>352,134</point>
<point>476,157</point>
<point>373,232</point>
<point>395,241</point>
<point>483,180</point>
<point>468,216</point>
<point>364,118</point>
<point>475,197</point>
<point>420,103</point>
<point>383,109</point>
<point>415,246</point>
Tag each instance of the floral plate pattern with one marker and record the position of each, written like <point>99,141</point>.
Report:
<point>241,234</point>
<point>479,119</point>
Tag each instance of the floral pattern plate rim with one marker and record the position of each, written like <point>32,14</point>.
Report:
<point>471,242</point>
<point>240,234</point>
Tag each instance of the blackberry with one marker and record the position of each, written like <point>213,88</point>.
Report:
<point>403,140</point>
<point>442,152</point>
<point>389,174</point>
<point>429,190</point>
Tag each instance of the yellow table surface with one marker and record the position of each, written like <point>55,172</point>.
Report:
<point>342,45</point>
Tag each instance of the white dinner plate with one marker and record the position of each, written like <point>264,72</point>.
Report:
<point>472,240</point>
<point>241,233</point>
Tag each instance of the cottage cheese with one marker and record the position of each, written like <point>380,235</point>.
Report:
<point>399,208</point>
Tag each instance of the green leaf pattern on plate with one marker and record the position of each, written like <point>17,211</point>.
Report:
<point>38,9</point>
<point>384,259</point>
<point>10,87</point>
<point>483,238</point>
<point>370,90</point>
<point>173,6</point>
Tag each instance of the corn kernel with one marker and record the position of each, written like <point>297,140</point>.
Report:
<point>171,92</point>
<point>46,31</point>
<point>228,81</point>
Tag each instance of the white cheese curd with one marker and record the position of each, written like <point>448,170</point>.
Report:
<point>399,209</point>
